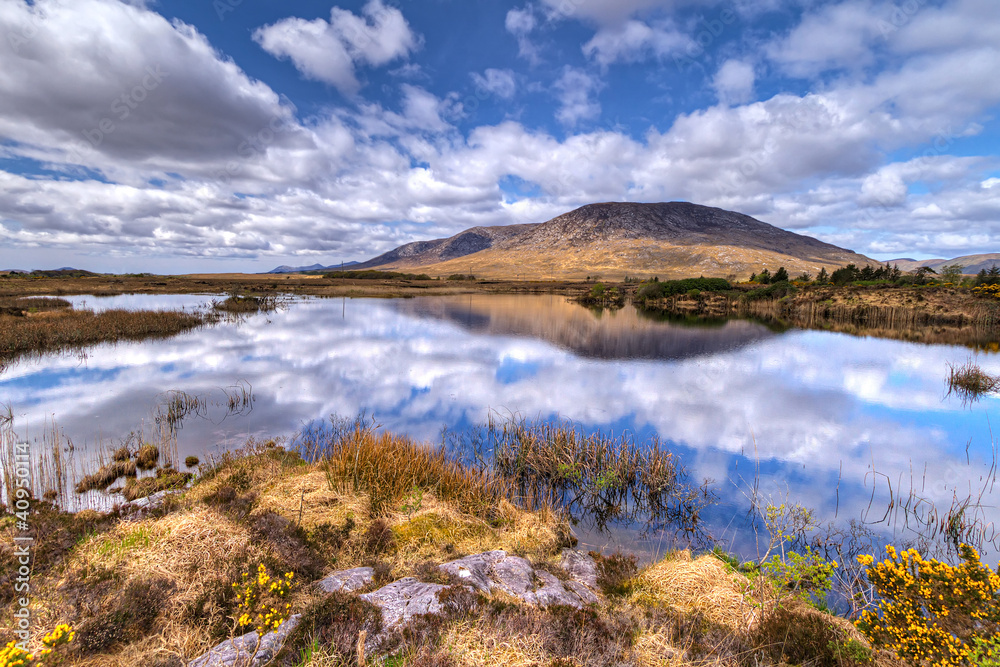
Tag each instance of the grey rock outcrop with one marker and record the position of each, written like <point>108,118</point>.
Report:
<point>347,580</point>
<point>239,652</point>
<point>401,600</point>
<point>580,567</point>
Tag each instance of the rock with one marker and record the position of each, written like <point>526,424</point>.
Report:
<point>475,570</point>
<point>238,652</point>
<point>402,600</point>
<point>347,580</point>
<point>516,576</point>
<point>141,507</point>
<point>586,595</point>
<point>580,567</point>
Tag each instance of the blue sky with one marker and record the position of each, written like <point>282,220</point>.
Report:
<point>236,135</point>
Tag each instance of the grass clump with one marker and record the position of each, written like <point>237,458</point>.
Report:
<point>388,467</point>
<point>166,479</point>
<point>247,303</point>
<point>192,461</point>
<point>107,475</point>
<point>147,457</point>
<point>970,382</point>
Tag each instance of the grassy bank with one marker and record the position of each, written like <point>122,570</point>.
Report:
<point>163,588</point>
<point>931,314</point>
<point>36,326</point>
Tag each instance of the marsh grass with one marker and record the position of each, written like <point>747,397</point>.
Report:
<point>599,476</point>
<point>68,329</point>
<point>388,467</point>
<point>242,303</point>
<point>970,382</point>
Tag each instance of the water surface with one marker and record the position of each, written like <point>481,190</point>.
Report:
<point>820,418</point>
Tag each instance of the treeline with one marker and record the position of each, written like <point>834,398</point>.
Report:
<point>667,288</point>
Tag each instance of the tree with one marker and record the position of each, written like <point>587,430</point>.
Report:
<point>845,275</point>
<point>921,274</point>
<point>991,277</point>
<point>780,275</point>
<point>804,278</point>
<point>764,277</point>
<point>952,273</point>
<point>822,277</point>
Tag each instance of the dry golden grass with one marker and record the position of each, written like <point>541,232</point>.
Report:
<point>703,585</point>
<point>474,646</point>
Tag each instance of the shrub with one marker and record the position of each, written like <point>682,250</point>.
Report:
<point>930,611</point>
<point>262,600</point>
<point>806,576</point>
<point>191,461</point>
<point>616,573</point>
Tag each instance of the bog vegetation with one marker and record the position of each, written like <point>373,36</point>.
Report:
<point>238,548</point>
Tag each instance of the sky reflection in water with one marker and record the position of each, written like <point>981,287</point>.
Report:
<point>813,407</point>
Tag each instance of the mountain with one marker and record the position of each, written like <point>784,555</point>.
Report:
<point>972,263</point>
<point>612,240</point>
<point>313,267</point>
<point>422,253</point>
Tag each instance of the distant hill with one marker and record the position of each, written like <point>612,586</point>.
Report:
<point>972,263</point>
<point>313,267</point>
<point>670,240</point>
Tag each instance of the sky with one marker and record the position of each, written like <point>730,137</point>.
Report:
<point>237,135</point>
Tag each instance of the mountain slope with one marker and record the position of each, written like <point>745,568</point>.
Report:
<point>671,240</point>
<point>421,253</point>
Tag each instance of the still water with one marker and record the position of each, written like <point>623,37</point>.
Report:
<point>828,420</point>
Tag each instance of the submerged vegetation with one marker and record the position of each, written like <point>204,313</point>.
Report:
<point>970,382</point>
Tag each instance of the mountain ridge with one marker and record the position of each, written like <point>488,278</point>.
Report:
<point>672,239</point>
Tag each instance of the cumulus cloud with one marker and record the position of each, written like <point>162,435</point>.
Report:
<point>734,82</point>
<point>129,88</point>
<point>330,51</point>
<point>635,41</point>
<point>833,37</point>
<point>500,82</point>
<point>577,96</point>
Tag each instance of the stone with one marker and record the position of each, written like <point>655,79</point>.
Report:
<point>141,507</point>
<point>586,595</point>
<point>401,600</point>
<point>514,575</point>
<point>238,652</point>
<point>475,570</point>
<point>347,580</point>
<point>580,567</point>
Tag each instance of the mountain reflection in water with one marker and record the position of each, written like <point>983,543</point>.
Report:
<point>593,334</point>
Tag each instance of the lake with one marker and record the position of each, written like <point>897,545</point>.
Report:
<point>827,420</point>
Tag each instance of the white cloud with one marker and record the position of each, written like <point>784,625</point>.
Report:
<point>577,91</point>
<point>734,82</point>
<point>521,23</point>
<point>120,89</point>
<point>605,13</point>
<point>329,51</point>
<point>499,82</point>
<point>635,41</point>
<point>833,37</point>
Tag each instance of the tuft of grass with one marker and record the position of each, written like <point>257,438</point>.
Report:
<point>388,467</point>
<point>166,479</point>
<point>147,457</point>
<point>247,303</point>
<point>192,461</point>
<point>970,382</point>
<point>106,475</point>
